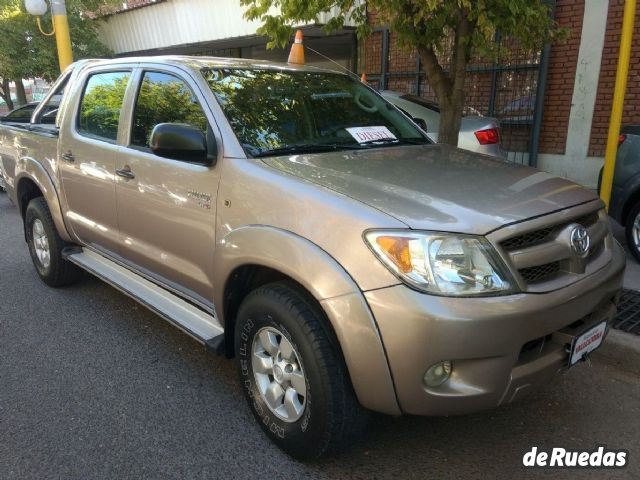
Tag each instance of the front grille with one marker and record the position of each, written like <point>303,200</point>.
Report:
<point>540,273</point>
<point>540,236</point>
<point>543,257</point>
<point>528,239</point>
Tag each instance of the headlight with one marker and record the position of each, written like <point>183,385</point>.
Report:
<point>442,263</point>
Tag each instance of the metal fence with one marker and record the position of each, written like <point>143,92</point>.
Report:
<point>509,87</point>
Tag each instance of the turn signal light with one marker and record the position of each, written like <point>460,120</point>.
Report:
<point>488,136</point>
<point>397,249</point>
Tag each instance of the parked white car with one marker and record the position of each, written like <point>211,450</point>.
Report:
<point>477,133</point>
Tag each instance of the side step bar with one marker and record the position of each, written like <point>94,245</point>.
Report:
<point>201,325</point>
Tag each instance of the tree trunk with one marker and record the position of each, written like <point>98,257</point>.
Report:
<point>21,96</point>
<point>450,120</point>
<point>6,93</point>
<point>449,86</point>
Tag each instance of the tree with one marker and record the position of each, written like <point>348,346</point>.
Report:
<point>26,53</point>
<point>454,30</point>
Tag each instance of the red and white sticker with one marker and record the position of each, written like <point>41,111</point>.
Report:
<point>371,134</point>
<point>588,342</point>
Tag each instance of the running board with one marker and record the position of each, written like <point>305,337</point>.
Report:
<point>201,325</point>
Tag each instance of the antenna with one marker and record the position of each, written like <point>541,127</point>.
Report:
<point>333,61</point>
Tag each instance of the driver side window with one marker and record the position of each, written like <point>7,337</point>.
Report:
<point>164,98</point>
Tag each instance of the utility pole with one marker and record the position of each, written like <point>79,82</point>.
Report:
<point>60,27</point>
<point>620,88</point>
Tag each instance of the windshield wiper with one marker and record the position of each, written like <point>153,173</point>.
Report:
<point>305,148</point>
<point>330,147</point>
<point>396,141</point>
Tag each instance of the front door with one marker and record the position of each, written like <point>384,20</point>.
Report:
<point>167,207</point>
<point>87,158</point>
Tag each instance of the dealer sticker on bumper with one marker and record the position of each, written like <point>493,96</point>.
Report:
<point>587,342</point>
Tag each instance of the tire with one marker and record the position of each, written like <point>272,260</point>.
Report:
<point>325,415</point>
<point>42,237</point>
<point>600,180</point>
<point>632,233</point>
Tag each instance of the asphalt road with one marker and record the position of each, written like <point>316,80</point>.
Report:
<point>93,386</point>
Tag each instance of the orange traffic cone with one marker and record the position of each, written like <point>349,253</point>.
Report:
<point>363,78</point>
<point>297,50</point>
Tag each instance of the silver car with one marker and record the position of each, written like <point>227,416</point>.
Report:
<point>477,133</point>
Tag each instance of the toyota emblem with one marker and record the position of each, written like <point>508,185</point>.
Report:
<point>580,240</point>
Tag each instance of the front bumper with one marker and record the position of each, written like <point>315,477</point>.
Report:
<point>500,347</point>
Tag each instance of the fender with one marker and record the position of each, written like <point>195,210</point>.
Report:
<point>620,196</point>
<point>29,168</point>
<point>341,299</point>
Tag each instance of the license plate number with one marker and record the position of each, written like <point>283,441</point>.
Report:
<point>587,342</point>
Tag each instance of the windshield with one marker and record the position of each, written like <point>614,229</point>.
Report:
<point>275,112</point>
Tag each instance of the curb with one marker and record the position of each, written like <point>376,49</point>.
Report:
<point>621,349</point>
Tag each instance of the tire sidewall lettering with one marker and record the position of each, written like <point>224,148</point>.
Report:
<point>275,426</point>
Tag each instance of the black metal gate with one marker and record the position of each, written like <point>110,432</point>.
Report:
<point>511,88</point>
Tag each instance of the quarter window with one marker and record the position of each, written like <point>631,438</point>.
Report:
<point>164,98</point>
<point>101,104</point>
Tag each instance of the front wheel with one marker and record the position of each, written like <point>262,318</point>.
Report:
<point>293,375</point>
<point>632,230</point>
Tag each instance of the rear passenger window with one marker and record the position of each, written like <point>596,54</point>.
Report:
<point>101,104</point>
<point>164,98</point>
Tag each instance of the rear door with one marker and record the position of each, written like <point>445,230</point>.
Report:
<point>87,156</point>
<point>167,207</point>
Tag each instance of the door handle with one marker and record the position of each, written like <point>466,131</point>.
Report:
<point>125,172</point>
<point>68,157</point>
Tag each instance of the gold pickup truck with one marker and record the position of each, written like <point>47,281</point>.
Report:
<point>292,218</point>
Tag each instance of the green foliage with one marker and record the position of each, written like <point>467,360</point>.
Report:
<point>26,53</point>
<point>279,27</point>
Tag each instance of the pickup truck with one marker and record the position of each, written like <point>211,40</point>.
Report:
<point>292,219</point>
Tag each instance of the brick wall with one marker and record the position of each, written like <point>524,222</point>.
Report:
<point>560,79</point>
<point>515,92</point>
<point>602,112</point>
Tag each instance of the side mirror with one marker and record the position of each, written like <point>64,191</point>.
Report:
<point>179,141</point>
<point>420,122</point>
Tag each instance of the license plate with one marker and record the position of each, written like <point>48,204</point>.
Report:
<point>587,342</point>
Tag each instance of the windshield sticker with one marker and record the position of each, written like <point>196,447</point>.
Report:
<point>371,134</point>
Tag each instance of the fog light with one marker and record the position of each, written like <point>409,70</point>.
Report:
<point>437,374</point>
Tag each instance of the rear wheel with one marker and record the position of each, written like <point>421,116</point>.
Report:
<point>293,375</point>
<point>45,246</point>
<point>632,230</point>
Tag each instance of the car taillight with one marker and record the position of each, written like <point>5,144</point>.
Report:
<point>621,138</point>
<point>488,136</point>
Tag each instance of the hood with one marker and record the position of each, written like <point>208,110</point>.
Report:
<point>437,187</point>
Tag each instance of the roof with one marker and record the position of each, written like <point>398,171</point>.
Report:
<point>198,63</point>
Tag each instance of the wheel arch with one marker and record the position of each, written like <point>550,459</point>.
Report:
<point>32,181</point>
<point>632,199</point>
<point>252,256</point>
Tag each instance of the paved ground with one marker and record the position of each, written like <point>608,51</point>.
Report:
<point>94,387</point>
